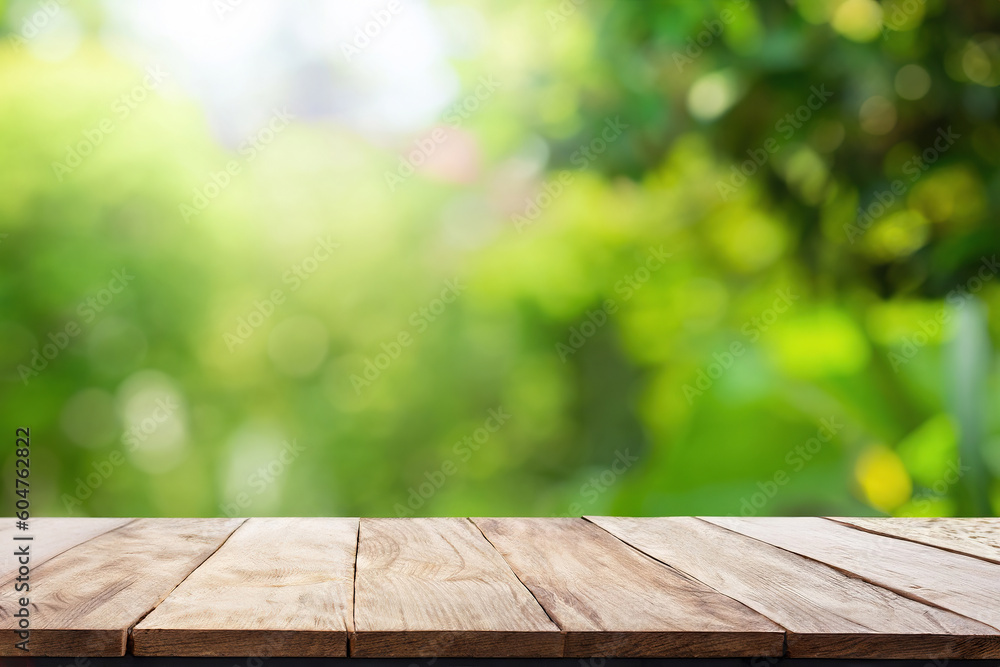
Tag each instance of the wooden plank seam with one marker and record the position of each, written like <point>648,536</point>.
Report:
<point>962,585</point>
<point>613,600</point>
<point>40,553</point>
<point>562,630</point>
<point>930,533</point>
<point>901,538</point>
<point>825,612</point>
<point>278,586</point>
<point>771,660</point>
<point>436,586</point>
<point>586,587</point>
<point>130,642</point>
<point>845,572</point>
<point>354,595</point>
<point>874,553</point>
<point>89,597</point>
<point>784,635</point>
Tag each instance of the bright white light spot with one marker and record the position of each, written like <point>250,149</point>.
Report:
<point>713,94</point>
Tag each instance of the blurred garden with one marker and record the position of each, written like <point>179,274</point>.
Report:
<point>469,257</point>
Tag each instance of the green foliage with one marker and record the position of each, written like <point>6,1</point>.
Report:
<point>694,258</point>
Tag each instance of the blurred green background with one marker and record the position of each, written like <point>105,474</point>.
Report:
<point>492,258</point>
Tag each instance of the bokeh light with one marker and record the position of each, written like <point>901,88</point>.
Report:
<point>299,258</point>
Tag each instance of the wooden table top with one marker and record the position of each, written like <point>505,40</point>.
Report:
<point>673,587</point>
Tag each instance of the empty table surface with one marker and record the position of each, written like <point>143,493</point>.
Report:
<point>663,587</point>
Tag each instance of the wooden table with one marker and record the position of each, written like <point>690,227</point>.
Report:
<point>677,587</point>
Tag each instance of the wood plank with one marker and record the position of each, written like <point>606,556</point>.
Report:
<point>85,600</point>
<point>436,587</point>
<point>50,537</point>
<point>277,587</point>
<point>827,613</point>
<point>963,584</point>
<point>611,600</point>
<point>979,537</point>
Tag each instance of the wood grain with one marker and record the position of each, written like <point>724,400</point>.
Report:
<point>960,583</point>
<point>667,587</point>
<point>277,587</point>
<point>436,587</point>
<point>827,614</point>
<point>611,600</point>
<point>85,600</point>
<point>975,537</point>
<point>50,537</point>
